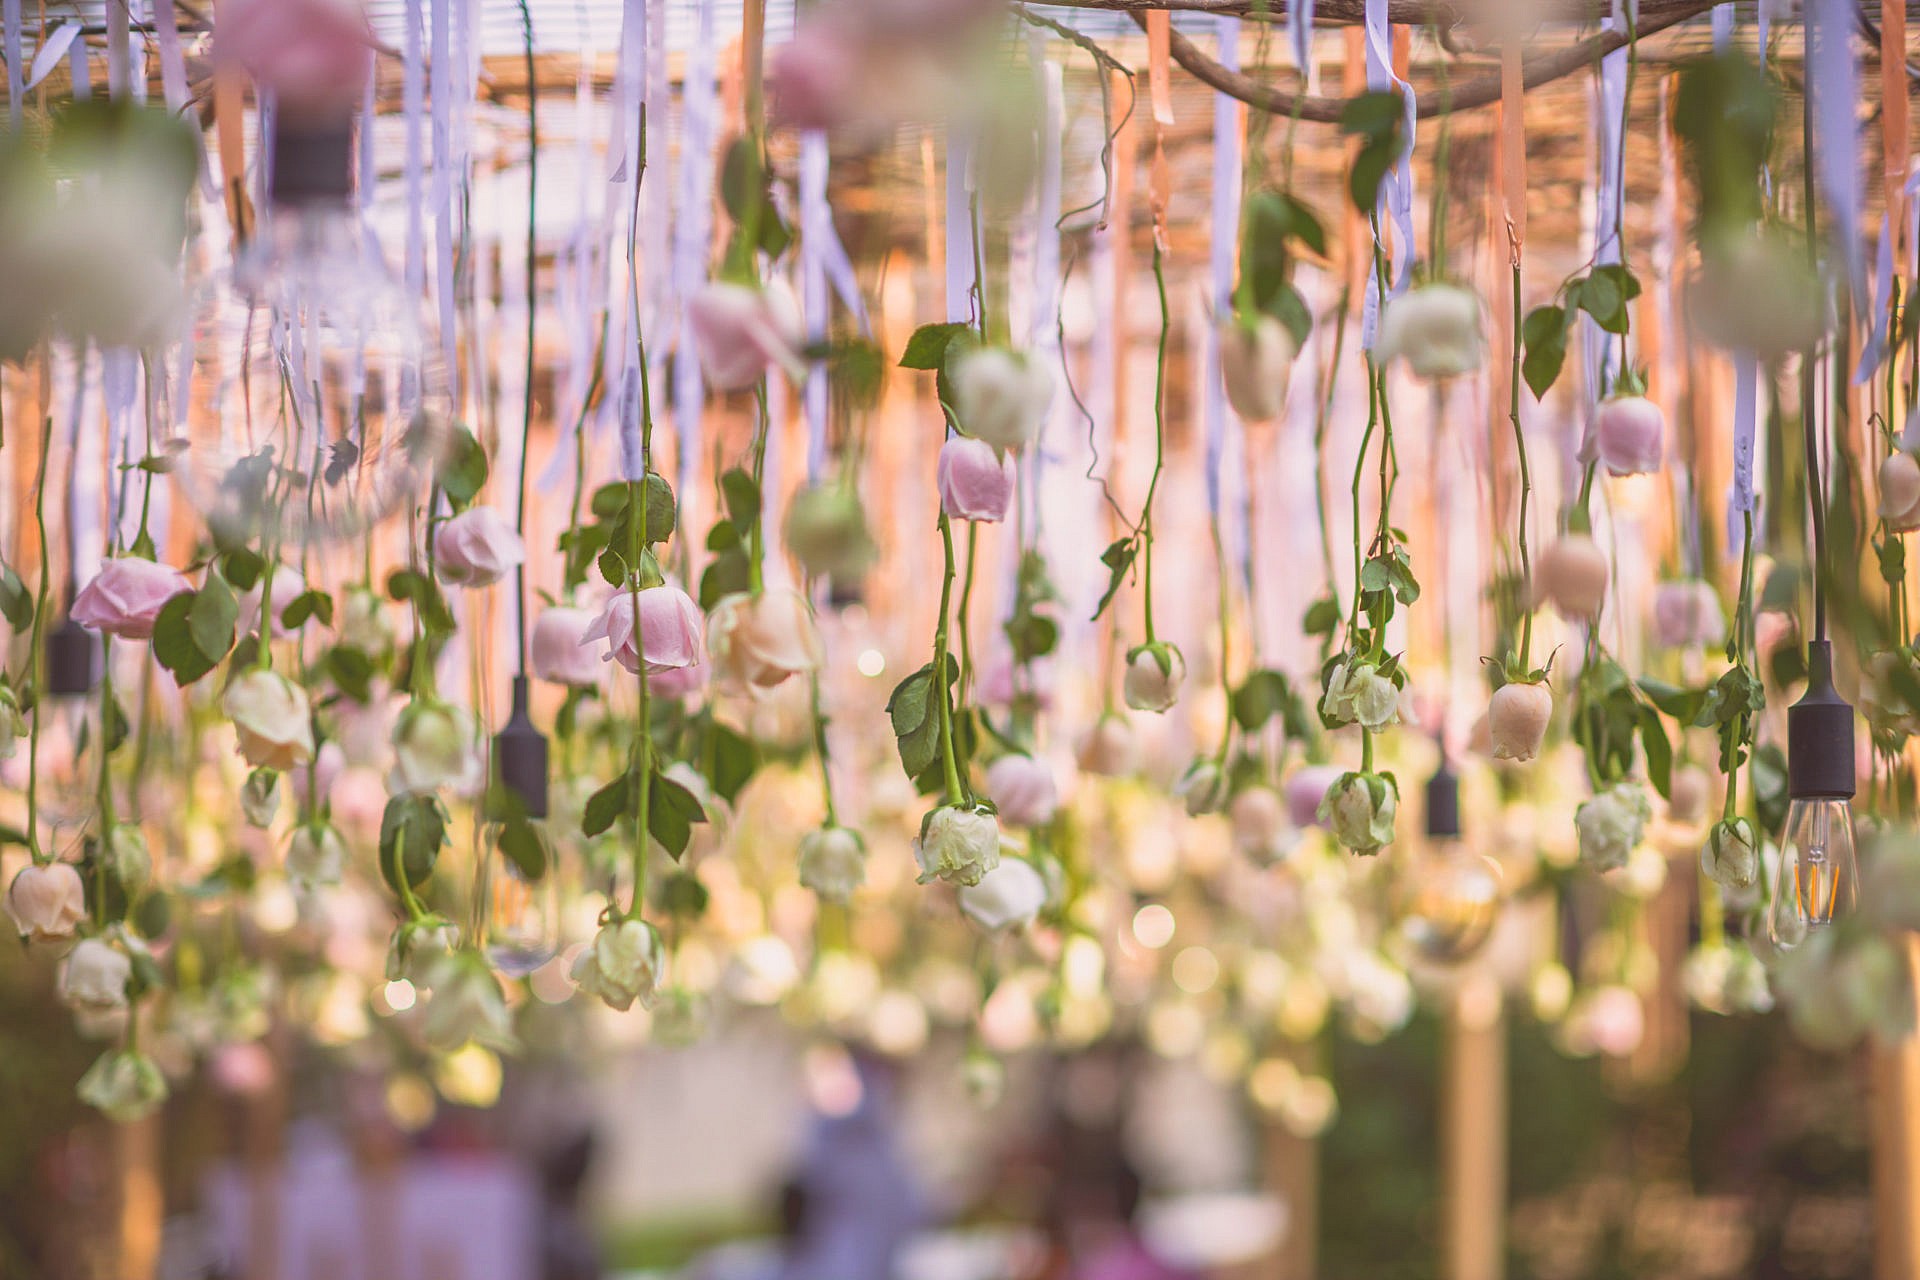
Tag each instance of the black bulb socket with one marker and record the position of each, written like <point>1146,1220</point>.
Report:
<point>1443,803</point>
<point>312,161</point>
<point>1820,751</point>
<point>72,661</point>
<point>520,755</point>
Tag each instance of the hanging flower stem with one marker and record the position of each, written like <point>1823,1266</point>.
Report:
<point>757,543</point>
<point>966,612</point>
<point>1159,440</point>
<point>955,793</point>
<point>1526,474</point>
<point>38,660</point>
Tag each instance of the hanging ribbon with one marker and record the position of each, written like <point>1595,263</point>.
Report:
<point>51,50</point>
<point>1395,201</point>
<point>815,221</point>
<point>1225,228</point>
<point>10,32</point>
<point>413,102</point>
<point>1044,334</point>
<point>960,245</point>
<point>1833,82</point>
<point>1597,344</point>
<point>1741,500</point>
<point>1300,33</point>
<point>690,235</point>
<point>445,225</point>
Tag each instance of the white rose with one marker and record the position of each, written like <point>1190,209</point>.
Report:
<point>1731,856</point>
<point>1022,788</point>
<point>124,1084</point>
<point>364,623</point>
<point>1256,362</point>
<point>47,901</point>
<point>432,748</point>
<point>1357,693</point>
<point>1000,397</point>
<point>94,977</point>
<point>316,854</point>
<point>1436,327</point>
<point>957,844</point>
<point>624,964</point>
<point>1262,829</point>
<point>1109,749</point>
<point>756,642</point>
<point>1008,897</point>
<point>1154,675</point>
<point>419,947</point>
<point>1201,788</point>
<point>1517,720</point>
<point>833,863</point>
<point>270,715</point>
<point>1611,824</point>
<point>466,1006</point>
<point>1359,810</point>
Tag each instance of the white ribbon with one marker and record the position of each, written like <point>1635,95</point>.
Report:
<point>1300,33</point>
<point>1746,396</point>
<point>51,50</point>
<point>413,100</point>
<point>961,266</point>
<point>816,223</point>
<point>1597,344</point>
<point>1395,200</point>
<point>1833,81</point>
<point>10,32</point>
<point>1874,352</point>
<point>690,236</point>
<point>1225,232</point>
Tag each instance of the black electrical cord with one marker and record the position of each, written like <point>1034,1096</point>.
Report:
<point>526,426</point>
<point>1809,399</point>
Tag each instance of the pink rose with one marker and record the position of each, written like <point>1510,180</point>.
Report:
<point>758,641</point>
<point>1687,614</point>
<point>313,54</point>
<point>1900,492</point>
<point>815,78</point>
<point>1629,433</point>
<point>1022,788</point>
<point>668,635</point>
<point>557,648</point>
<point>678,682</point>
<point>741,332</point>
<point>1001,681</point>
<point>976,482</point>
<point>1517,720</point>
<point>126,596</point>
<point>476,548</point>
<point>1572,576</point>
<point>1306,789</point>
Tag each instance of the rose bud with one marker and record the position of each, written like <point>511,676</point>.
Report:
<point>557,650</point>
<point>312,54</point>
<point>1435,328</point>
<point>1022,789</point>
<point>1009,896</point>
<point>47,901</point>
<point>1900,492</point>
<point>433,747</point>
<point>1154,675</point>
<point>1359,809</point>
<point>1517,720</point>
<point>813,80</point>
<point>1686,614</point>
<point>741,332</point>
<point>1629,433</point>
<point>271,717</point>
<point>826,529</point>
<point>1261,826</point>
<point>833,863</point>
<point>1306,789</point>
<point>94,978</point>
<point>1201,788</point>
<point>1000,397</point>
<point>976,480</point>
<point>957,844</point>
<point>1571,575</point>
<point>476,548</point>
<point>1109,750</point>
<point>624,964</point>
<point>668,635</point>
<point>1256,362</point>
<point>124,599</point>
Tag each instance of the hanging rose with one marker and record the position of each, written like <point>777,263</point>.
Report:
<point>94,977</point>
<point>312,54</point>
<point>1256,363</point>
<point>557,650</point>
<point>1201,788</point>
<point>757,641</point>
<point>678,682</point>
<point>1108,749</point>
<point>1630,432</point>
<point>1731,856</point>
<point>1358,693</point>
<point>976,480</point>
<point>826,529</point>
<point>419,948</point>
<point>1261,829</point>
<point>1571,575</point>
<point>1154,675</point>
<point>433,747</point>
<point>833,863</point>
<point>624,964</point>
<point>124,1084</point>
<point>958,844</point>
<point>1900,492</point>
<point>1022,789</point>
<point>365,622</point>
<point>1611,824</point>
<point>1307,791</point>
<point>476,548</point>
<point>1517,720</point>
<point>125,856</point>
<point>271,717</point>
<point>1359,810</point>
<point>466,1006</point>
<point>1000,397</point>
<point>1436,328</point>
<point>316,854</point>
<point>742,332</point>
<point>124,599</point>
<point>13,725</point>
<point>1010,896</point>
<point>668,634</point>
<point>1686,614</point>
<point>47,901</point>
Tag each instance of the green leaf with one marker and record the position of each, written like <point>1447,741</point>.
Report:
<point>1031,635</point>
<point>1544,335</point>
<point>857,369</point>
<point>729,574</point>
<point>16,602</point>
<point>308,604</point>
<point>910,701</point>
<point>521,845</point>
<point>742,496</point>
<point>1263,695</point>
<point>463,471</point>
<point>351,671</point>
<point>1682,704</point>
<point>1770,799</point>
<point>613,801</point>
<point>927,348</point>
<point>212,616</point>
<point>609,500</point>
<point>681,896</point>
<point>412,831</point>
<point>671,812</point>
<point>729,759</point>
<point>114,726</point>
<point>173,646</point>
<point>1658,750</point>
<point>1322,616</point>
<point>663,512</point>
<point>1600,296</point>
<point>1118,557</point>
<point>1379,119</point>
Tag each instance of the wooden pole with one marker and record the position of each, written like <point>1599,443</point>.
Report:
<point>1473,1134</point>
<point>1895,1117</point>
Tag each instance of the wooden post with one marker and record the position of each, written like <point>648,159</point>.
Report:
<point>1895,1120</point>
<point>1293,1174</point>
<point>1473,1133</point>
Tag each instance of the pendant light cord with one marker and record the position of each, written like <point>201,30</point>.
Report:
<point>526,426</point>
<point>1809,398</point>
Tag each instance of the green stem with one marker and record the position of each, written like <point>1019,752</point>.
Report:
<point>38,660</point>
<point>820,751</point>
<point>1526,477</point>
<point>1159,441</point>
<point>966,612</point>
<point>955,793</point>
<point>756,547</point>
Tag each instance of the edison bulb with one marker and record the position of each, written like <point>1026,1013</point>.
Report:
<point>1449,901</point>
<point>1818,877</point>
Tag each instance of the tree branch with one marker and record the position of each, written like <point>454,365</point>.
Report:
<point>1478,92</point>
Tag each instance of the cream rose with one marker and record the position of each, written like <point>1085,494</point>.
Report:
<point>271,717</point>
<point>756,642</point>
